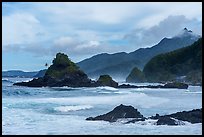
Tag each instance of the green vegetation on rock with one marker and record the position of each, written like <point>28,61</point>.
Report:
<point>182,62</point>
<point>106,80</point>
<point>135,75</point>
<point>61,67</point>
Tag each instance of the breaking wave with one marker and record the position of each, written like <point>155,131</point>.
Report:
<point>107,88</point>
<point>72,108</point>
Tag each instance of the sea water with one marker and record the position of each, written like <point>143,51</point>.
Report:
<point>63,110</point>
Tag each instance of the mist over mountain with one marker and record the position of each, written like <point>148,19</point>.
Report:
<point>120,64</point>
<point>41,73</point>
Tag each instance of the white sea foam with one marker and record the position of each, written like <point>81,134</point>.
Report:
<point>24,80</point>
<point>105,92</point>
<point>137,99</point>
<point>194,92</point>
<point>28,117</point>
<point>65,87</point>
<point>107,88</point>
<point>147,122</point>
<point>72,108</point>
<point>4,79</point>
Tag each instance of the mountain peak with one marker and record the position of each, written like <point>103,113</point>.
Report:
<point>187,33</point>
<point>186,30</point>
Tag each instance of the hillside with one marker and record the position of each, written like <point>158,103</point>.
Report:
<point>41,73</point>
<point>136,75</point>
<point>182,64</point>
<point>108,63</point>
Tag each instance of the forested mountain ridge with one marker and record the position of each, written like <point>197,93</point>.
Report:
<point>182,64</point>
<point>109,63</point>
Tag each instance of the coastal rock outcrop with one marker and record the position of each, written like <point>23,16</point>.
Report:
<point>118,112</point>
<point>106,80</point>
<point>178,85</point>
<point>122,111</point>
<point>64,72</point>
<point>193,116</point>
<point>165,120</point>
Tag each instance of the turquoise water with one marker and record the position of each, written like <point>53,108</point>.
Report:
<point>64,110</point>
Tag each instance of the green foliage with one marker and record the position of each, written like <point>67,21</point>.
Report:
<point>61,66</point>
<point>62,60</point>
<point>104,79</point>
<point>135,75</point>
<point>164,67</point>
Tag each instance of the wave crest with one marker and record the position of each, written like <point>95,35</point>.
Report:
<point>107,88</point>
<point>72,108</point>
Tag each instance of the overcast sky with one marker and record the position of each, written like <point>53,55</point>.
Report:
<point>34,32</point>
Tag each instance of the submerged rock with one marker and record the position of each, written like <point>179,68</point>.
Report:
<point>193,116</point>
<point>118,112</point>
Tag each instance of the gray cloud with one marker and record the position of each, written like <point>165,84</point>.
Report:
<point>168,27</point>
<point>75,46</point>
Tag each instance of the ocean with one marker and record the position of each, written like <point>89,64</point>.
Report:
<point>63,110</point>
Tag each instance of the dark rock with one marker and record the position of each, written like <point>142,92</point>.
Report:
<point>165,120</point>
<point>39,82</point>
<point>118,112</point>
<point>168,85</point>
<point>193,116</point>
<point>127,86</point>
<point>106,80</point>
<point>63,72</point>
<point>155,117</point>
<point>176,85</point>
<point>122,111</point>
<point>40,74</point>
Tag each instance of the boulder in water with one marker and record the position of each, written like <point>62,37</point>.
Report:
<point>193,116</point>
<point>118,112</point>
<point>165,120</point>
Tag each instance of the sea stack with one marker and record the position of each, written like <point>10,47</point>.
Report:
<point>63,72</point>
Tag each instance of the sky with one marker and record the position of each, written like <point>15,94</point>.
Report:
<point>33,32</point>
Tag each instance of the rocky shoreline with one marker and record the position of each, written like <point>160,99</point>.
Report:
<point>64,72</point>
<point>124,112</point>
<point>167,85</point>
